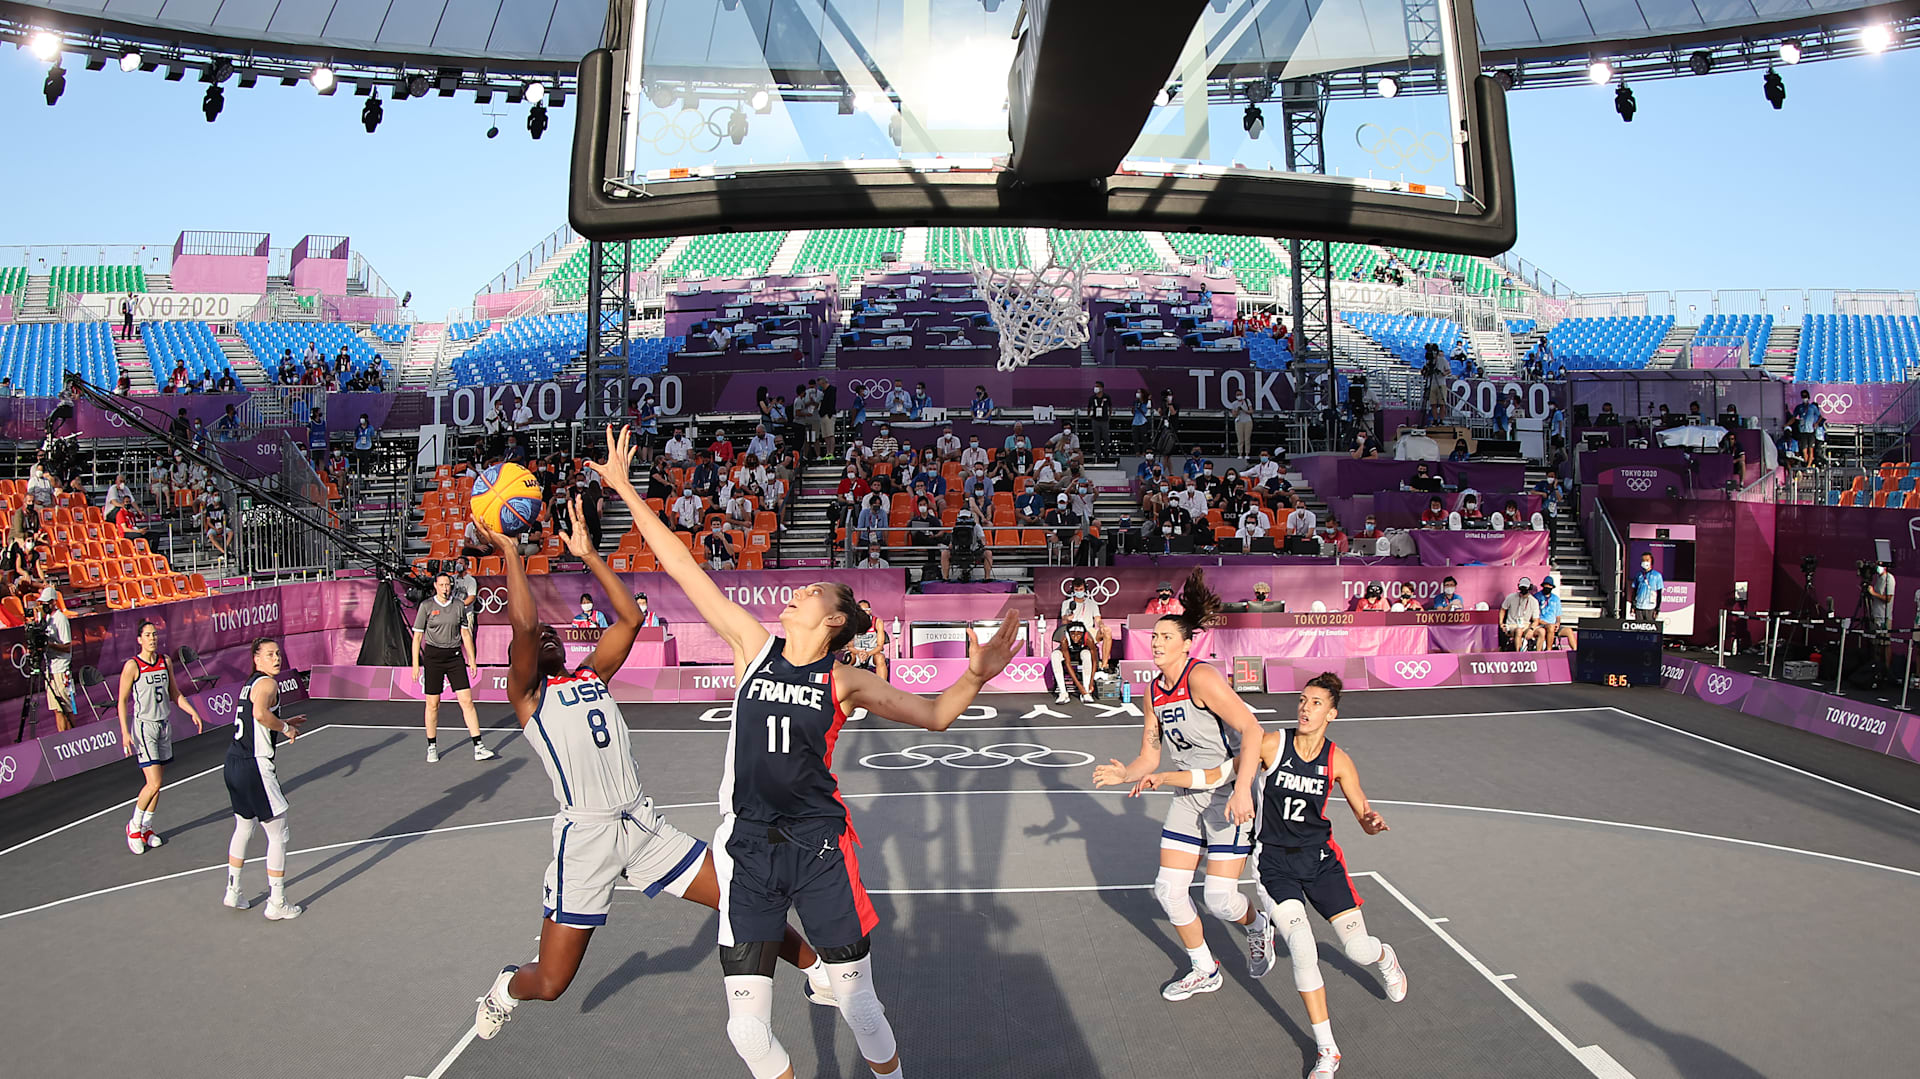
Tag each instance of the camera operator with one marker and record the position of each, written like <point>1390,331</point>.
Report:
<point>1877,582</point>
<point>50,651</point>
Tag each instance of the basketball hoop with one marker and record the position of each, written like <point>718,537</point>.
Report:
<point>1036,309</point>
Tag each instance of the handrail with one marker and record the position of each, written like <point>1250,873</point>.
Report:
<point>537,255</point>
<point>1608,558</point>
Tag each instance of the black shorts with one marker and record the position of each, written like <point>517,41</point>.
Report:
<point>1316,876</point>
<point>253,787</point>
<point>443,665</point>
<point>811,867</point>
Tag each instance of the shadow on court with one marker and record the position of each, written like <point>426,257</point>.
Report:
<point>343,765</point>
<point>1688,1054</point>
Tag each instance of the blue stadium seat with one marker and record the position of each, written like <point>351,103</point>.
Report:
<point>1753,329</point>
<point>1612,343</point>
<point>1857,348</point>
<point>191,343</point>
<point>270,341</point>
<point>538,347</point>
<point>37,355</point>
<point>1406,336</point>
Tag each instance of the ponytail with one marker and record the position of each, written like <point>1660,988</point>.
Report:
<point>1200,607</point>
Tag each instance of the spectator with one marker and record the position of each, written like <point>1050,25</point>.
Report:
<point>1142,423</point>
<point>1164,601</point>
<point>1072,662</point>
<point>885,445</point>
<point>1423,478</point>
<point>720,551</point>
<point>522,414</point>
<point>1100,419</point>
<point>1519,614</point>
<point>897,402</point>
<point>1436,515</point>
<point>705,479</point>
<point>873,559</point>
<point>1080,498</point>
<point>588,618</point>
<point>871,526</point>
<point>1370,529</point>
<point>1081,607</point>
<point>1375,599</point>
<point>1253,526</point>
<point>1047,478</point>
<point>1364,444</point>
<point>1405,599</point>
<point>921,402</point>
<point>1263,601</point>
<point>1511,518</point>
<point>1029,509</point>
<point>973,457</point>
<point>773,496</point>
<point>761,444</point>
<point>1448,598</point>
<point>740,508</point>
<point>965,547</point>
<point>1880,587</point>
<point>1607,417</point>
<point>362,444</point>
<point>978,488</point>
<point>859,457</point>
<point>686,511</point>
<point>1460,452</point>
<point>516,450</point>
<point>679,448</point>
<point>1065,446</point>
<point>213,519</point>
<point>1548,631</point>
<point>947,446</point>
<point>1064,531</point>
<point>1240,409</point>
<point>1648,587</point>
<point>982,406</point>
<point>1301,523</point>
<point>40,486</point>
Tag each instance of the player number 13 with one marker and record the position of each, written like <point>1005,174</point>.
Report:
<point>780,734</point>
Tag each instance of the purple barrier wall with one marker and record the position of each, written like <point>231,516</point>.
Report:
<point>1883,730</point>
<point>489,305</point>
<point>1064,388</point>
<point>1733,541</point>
<point>342,410</point>
<point>366,309</point>
<point>1448,548</point>
<point>1432,671</point>
<point>328,277</point>
<point>1332,474</point>
<point>1714,356</point>
<point>1848,402</point>
<point>6,308</point>
<point>1125,590</point>
<point>1300,636</point>
<point>1404,509</point>
<point>1840,536</point>
<point>226,274</point>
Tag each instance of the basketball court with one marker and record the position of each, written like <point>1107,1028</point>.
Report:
<point>1578,881</point>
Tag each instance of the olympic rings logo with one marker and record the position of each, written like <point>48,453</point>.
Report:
<point>221,704</point>
<point>1031,670</point>
<point>8,769</point>
<point>1099,589</point>
<point>492,600</point>
<point>1639,483</point>
<point>1719,684</point>
<point>915,674</point>
<point>1833,402</point>
<point>963,757</point>
<point>17,655</point>
<point>870,387</point>
<point>688,130</point>
<point>1399,148</point>
<point>1416,669</point>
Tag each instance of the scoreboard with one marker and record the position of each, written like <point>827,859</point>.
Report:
<point>1617,653</point>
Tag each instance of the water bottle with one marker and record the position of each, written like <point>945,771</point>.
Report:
<point>896,635</point>
<point>1126,691</point>
<point>1040,633</point>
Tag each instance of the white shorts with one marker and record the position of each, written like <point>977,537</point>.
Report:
<point>593,852</point>
<point>1197,823</point>
<point>152,742</point>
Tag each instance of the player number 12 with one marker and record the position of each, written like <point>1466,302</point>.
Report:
<point>780,734</point>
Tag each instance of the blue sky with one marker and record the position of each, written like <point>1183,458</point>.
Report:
<point>1708,188</point>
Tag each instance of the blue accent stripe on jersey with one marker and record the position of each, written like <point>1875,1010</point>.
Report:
<point>1166,833</point>
<point>588,920</point>
<point>565,790</point>
<point>692,856</point>
<point>1231,849</point>
<point>560,875</point>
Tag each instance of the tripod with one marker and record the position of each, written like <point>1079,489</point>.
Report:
<point>37,662</point>
<point>1871,639</point>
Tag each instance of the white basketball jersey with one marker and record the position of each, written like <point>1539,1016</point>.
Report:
<point>577,733</point>
<point>1194,736</point>
<point>152,687</point>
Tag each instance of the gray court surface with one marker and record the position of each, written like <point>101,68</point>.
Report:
<point>1579,882</point>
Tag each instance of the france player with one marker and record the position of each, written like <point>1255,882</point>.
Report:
<point>1297,861</point>
<point>1212,737</point>
<point>785,840</point>
<point>606,830</point>
<point>147,686</point>
<point>253,780</point>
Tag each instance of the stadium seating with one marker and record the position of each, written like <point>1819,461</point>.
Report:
<point>1612,343</point>
<point>1006,248</point>
<point>1857,348</point>
<point>1126,250</point>
<point>1349,258</point>
<point>1891,486</point>
<point>1480,276</point>
<point>65,279</point>
<point>191,343</point>
<point>1522,325</point>
<point>393,333</point>
<point>846,253</point>
<point>1266,353</point>
<point>35,355</point>
<point>1406,336</point>
<point>1752,329</point>
<point>13,281</point>
<point>1254,264</point>
<point>569,279</point>
<point>728,254</point>
<point>467,331</point>
<point>269,340</point>
<point>538,347</point>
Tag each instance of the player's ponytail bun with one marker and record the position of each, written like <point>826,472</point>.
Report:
<point>1329,682</point>
<point>1200,607</point>
<point>857,620</point>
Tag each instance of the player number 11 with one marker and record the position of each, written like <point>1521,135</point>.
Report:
<point>780,734</point>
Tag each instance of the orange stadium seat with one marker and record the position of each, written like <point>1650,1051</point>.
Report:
<point>117,599</point>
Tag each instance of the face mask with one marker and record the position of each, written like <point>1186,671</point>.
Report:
<point>586,606</point>
<point>1079,593</point>
<point>1265,459</point>
<point>979,472</point>
<point>1209,470</point>
<point>974,443</point>
<point>1163,488</point>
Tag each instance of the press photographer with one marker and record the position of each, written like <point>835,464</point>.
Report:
<point>49,657</point>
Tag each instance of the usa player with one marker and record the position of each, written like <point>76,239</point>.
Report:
<point>785,840</point>
<point>606,829</point>
<point>253,780</point>
<point>146,688</point>
<point>1297,861</point>
<point>1213,739</point>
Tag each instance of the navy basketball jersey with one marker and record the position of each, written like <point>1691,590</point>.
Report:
<point>780,751</point>
<point>1293,798</point>
<point>250,738</point>
<point>1195,737</point>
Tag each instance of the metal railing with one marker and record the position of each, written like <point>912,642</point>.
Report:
<point>1529,274</point>
<point>535,257</point>
<point>278,542</point>
<point>1787,305</point>
<point>242,244</point>
<point>42,258</point>
<point>1606,552</point>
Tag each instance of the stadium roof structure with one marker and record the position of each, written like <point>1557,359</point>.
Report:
<point>548,37</point>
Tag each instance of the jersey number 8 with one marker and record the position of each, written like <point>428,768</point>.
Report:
<point>597,723</point>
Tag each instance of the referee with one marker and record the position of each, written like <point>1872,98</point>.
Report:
<point>440,637</point>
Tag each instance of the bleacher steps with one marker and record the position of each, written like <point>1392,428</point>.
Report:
<point>1162,250</point>
<point>132,358</point>
<point>1783,350</point>
<point>1494,350</point>
<point>32,306</point>
<point>1388,376</point>
<point>415,368</point>
<point>554,262</point>
<point>1279,250</point>
<point>1038,250</point>
<point>913,244</point>
<point>667,257</point>
<point>789,252</point>
<point>240,358</point>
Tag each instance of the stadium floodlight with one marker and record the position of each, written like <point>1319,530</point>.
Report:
<point>1599,73</point>
<point>130,60</point>
<point>761,101</point>
<point>1508,78</point>
<point>661,94</point>
<point>1790,52</point>
<point>737,127</point>
<point>1624,104</point>
<point>537,121</point>
<point>493,132</point>
<point>417,86</point>
<point>1873,38</point>
<point>46,45</point>
<point>220,72</point>
<point>322,79</point>
<point>1700,63</point>
<point>1388,86</point>
<point>55,85</point>
<point>372,113</point>
<point>211,104</point>
<point>1254,122</point>
<point>536,92</point>
<point>1164,97</point>
<point>1775,88</point>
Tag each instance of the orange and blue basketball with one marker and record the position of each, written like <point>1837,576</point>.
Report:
<point>506,498</point>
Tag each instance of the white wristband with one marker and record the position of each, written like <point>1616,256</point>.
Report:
<point>1197,780</point>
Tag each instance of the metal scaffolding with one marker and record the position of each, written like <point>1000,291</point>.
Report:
<point>609,313</point>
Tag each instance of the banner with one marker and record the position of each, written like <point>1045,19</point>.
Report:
<point>1335,633</point>
<point>1125,590</point>
<point>1645,481</point>
<point>1848,402</point>
<point>1869,726</point>
<point>342,412</point>
<point>1441,547</point>
<point>1479,397</point>
<point>163,306</point>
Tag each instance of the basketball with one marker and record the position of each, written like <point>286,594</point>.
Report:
<point>506,498</point>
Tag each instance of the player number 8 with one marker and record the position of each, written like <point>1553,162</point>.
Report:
<point>597,723</point>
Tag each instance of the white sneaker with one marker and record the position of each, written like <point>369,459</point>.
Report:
<point>1392,974</point>
<point>433,753</point>
<point>235,900</point>
<point>482,753</point>
<point>491,1014</point>
<point>1060,697</point>
<point>136,841</point>
<point>1193,982</point>
<point>820,994</point>
<point>1260,948</point>
<point>1086,698</point>
<point>153,838</point>
<point>282,911</point>
<point>1328,1063</point>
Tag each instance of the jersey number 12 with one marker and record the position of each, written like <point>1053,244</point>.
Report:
<point>1293,809</point>
<point>780,734</point>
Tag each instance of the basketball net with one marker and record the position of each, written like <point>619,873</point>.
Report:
<point>1035,309</point>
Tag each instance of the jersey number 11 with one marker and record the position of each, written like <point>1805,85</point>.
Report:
<point>780,734</point>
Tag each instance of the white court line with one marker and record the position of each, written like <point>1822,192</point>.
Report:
<point>453,1054</point>
<point>1769,760</point>
<point>1587,1055</point>
<point>130,801</point>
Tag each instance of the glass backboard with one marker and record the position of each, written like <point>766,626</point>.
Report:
<point>1343,119</point>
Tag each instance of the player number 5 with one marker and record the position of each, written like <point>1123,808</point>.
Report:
<point>780,734</point>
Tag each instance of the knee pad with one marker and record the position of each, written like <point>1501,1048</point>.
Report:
<point>277,835</point>
<point>1170,887</point>
<point>1290,924</point>
<point>851,953</point>
<point>861,1007</point>
<point>1224,899</point>
<point>754,958</point>
<point>749,1007</point>
<point>242,835</point>
<point>1351,929</point>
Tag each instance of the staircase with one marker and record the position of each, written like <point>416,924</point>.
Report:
<point>789,252</point>
<point>416,367</point>
<point>1389,379</point>
<point>913,244</point>
<point>32,305</point>
<point>245,367</point>
<point>1525,343</point>
<point>1783,351</point>
<point>807,541</point>
<point>133,361</point>
<point>670,255</point>
<point>1038,250</point>
<point>1670,350</point>
<point>1162,250</point>
<point>1494,350</point>
<point>1574,577</point>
